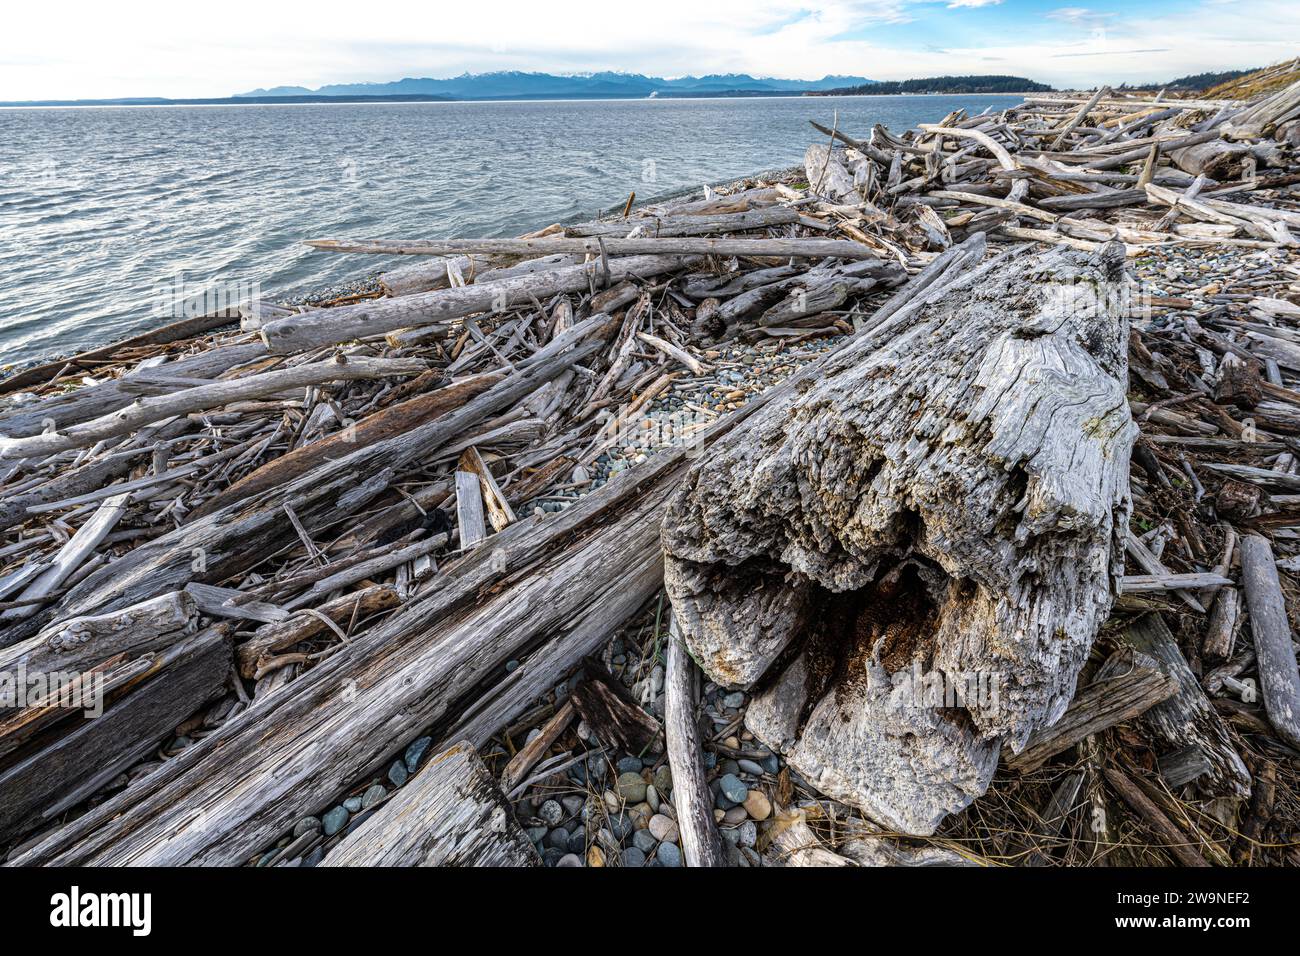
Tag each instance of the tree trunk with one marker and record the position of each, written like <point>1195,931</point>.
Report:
<point>945,501</point>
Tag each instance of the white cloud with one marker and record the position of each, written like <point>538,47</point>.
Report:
<point>955,4</point>
<point>91,49</point>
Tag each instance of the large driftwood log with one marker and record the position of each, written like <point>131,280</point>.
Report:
<point>376,317</point>
<point>451,814</point>
<point>945,501</point>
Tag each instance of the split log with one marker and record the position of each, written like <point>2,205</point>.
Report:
<point>1216,159</point>
<point>1187,719</point>
<point>1278,675</point>
<point>937,487</point>
<point>1126,685</point>
<point>450,814</point>
<point>47,778</point>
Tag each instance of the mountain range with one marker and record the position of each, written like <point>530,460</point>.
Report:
<point>516,85</point>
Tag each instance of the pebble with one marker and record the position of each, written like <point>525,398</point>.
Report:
<point>352,804</point>
<point>747,833</point>
<point>568,860</point>
<point>664,780</point>
<point>372,796</point>
<point>415,753</point>
<point>668,854</point>
<point>644,841</point>
<point>735,700</point>
<point>750,767</point>
<point>558,838</point>
<point>573,805</point>
<point>735,816</point>
<point>398,773</point>
<point>663,828</point>
<point>551,813</point>
<point>757,805</point>
<point>629,765</point>
<point>652,798</point>
<point>335,820</point>
<point>633,857</point>
<point>733,788</point>
<point>306,825</point>
<point>631,787</point>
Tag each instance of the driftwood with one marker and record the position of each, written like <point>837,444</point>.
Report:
<point>1187,719</point>
<point>701,845</point>
<point>1278,676</point>
<point>326,327</point>
<point>805,248</point>
<point>859,542</point>
<point>1127,685</point>
<point>450,814</point>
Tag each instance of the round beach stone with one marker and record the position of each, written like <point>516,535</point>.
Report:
<point>757,805</point>
<point>631,787</point>
<point>733,788</point>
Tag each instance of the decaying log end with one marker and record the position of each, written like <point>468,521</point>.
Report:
<point>940,510</point>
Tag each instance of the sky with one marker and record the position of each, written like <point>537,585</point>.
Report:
<point>75,49</point>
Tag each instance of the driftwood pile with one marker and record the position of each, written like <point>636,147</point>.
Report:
<point>244,569</point>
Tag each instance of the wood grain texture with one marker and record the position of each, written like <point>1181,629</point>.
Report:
<point>450,814</point>
<point>959,471</point>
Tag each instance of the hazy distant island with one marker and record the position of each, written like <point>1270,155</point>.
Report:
<point>941,84</point>
<point>518,85</point>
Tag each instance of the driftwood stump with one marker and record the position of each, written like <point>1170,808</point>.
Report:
<point>939,511</point>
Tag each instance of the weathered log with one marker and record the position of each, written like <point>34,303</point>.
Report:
<point>450,814</point>
<point>147,410</point>
<point>342,324</point>
<point>380,426</point>
<point>665,245</point>
<point>701,844</point>
<point>1279,678</point>
<point>1216,159</point>
<point>49,777</point>
<point>938,487</point>
<point>1128,684</point>
<point>1187,719</point>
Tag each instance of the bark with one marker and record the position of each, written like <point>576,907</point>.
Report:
<point>931,490</point>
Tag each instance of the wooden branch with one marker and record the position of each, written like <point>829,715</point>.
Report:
<point>366,319</point>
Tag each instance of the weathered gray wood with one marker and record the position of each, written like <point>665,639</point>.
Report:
<point>449,814</point>
<point>469,509</point>
<point>65,410</point>
<point>940,485</point>
<point>155,408</point>
<point>376,317</point>
<point>1187,718</point>
<point>344,718</point>
<point>701,844</point>
<point>180,681</point>
<point>70,556</point>
<point>1128,684</point>
<point>1279,678</point>
<point>658,245</point>
<point>688,225</point>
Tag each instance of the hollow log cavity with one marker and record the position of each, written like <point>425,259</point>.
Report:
<point>907,557</point>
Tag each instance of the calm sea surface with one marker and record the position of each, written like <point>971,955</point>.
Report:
<point>100,208</point>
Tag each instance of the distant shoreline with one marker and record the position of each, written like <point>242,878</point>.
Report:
<point>439,100</point>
